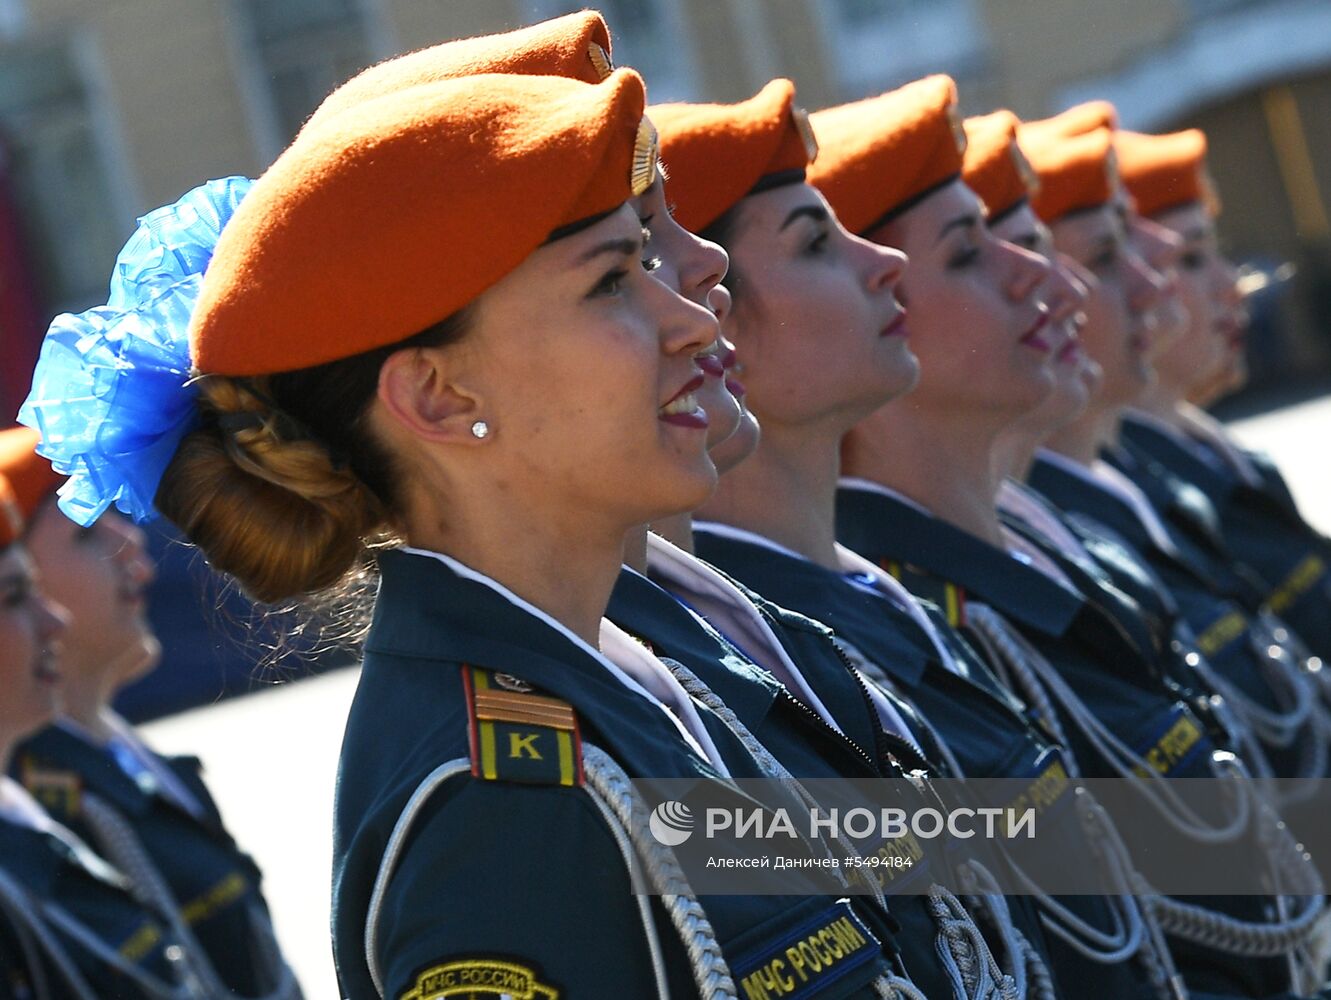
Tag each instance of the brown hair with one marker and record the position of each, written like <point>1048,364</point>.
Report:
<point>284,487</point>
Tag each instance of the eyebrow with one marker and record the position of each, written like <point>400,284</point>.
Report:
<point>622,247</point>
<point>960,222</point>
<point>1195,235</point>
<point>815,212</point>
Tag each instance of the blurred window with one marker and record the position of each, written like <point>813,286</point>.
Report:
<point>878,43</point>
<point>648,35</point>
<point>303,49</point>
<point>56,173</point>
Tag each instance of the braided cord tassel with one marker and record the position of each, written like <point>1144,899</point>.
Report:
<point>121,845</point>
<point>608,780</point>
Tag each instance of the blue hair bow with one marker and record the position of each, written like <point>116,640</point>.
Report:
<point>110,395</point>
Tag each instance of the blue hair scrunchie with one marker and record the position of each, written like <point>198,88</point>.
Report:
<point>111,395</point>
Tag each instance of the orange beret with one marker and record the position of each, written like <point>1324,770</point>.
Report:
<point>882,154</point>
<point>29,477</point>
<point>1075,171</point>
<point>575,45</point>
<point>994,167</point>
<point>715,154</point>
<point>1082,118</point>
<point>391,216</point>
<point>1164,171</point>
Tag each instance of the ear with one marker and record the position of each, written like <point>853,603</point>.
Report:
<point>418,390</point>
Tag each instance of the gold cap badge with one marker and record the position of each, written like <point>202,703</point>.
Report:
<point>645,152</point>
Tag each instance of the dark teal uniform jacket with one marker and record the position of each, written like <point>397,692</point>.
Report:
<point>1262,527</point>
<point>984,726</point>
<point>94,897</point>
<point>509,867</point>
<point>1213,595</point>
<point>1109,661</point>
<point>215,884</point>
<point>808,747</point>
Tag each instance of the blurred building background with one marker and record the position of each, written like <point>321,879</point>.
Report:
<point>109,108</point>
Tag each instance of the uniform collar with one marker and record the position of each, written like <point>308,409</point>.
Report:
<point>880,525</point>
<point>652,615</point>
<point>434,608</point>
<point>880,630</point>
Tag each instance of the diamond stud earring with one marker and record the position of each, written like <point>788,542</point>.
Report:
<point>480,429</point>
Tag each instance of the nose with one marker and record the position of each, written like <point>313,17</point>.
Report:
<point>686,327</point>
<point>1145,285</point>
<point>1065,295</point>
<point>886,266</point>
<point>1027,270</point>
<point>1160,245</point>
<point>703,267</point>
<point>52,619</point>
<point>720,301</point>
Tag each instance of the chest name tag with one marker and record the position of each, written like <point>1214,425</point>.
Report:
<point>1174,740</point>
<point>808,959</point>
<point>519,736</point>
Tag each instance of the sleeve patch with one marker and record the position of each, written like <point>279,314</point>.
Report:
<point>477,978</point>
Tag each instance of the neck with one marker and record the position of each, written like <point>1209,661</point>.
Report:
<point>90,708</point>
<point>1161,401</point>
<point>937,459</point>
<point>1014,451</point>
<point>677,530</point>
<point>785,491</point>
<point>564,565</point>
<point>1084,438</point>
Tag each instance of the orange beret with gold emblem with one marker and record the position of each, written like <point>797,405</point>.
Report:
<point>1075,172</point>
<point>994,166</point>
<point>576,45</point>
<point>715,154</point>
<point>29,477</point>
<point>391,216</point>
<point>883,154</point>
<point>1165,171</point>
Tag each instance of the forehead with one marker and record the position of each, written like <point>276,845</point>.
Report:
<point>1021,221</point>
<point>1090,224</point>
<point>923,220</point>
<point>770,208</point>
<point>1187,220</point>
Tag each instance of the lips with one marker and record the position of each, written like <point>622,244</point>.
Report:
<point>45,670</point>
<point>897,328</point>
<point>710,365</point>
<point>1034,337</point>
<point>682,408</point>
<point>1070,352</point>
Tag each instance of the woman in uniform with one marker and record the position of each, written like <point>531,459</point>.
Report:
<point>448,279</point>
<point>73,926</point>
<point>151,816</point>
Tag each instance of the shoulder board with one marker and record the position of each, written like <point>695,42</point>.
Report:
<point>59,792</point>
<point>950,598</point>
<point>518,735</point>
